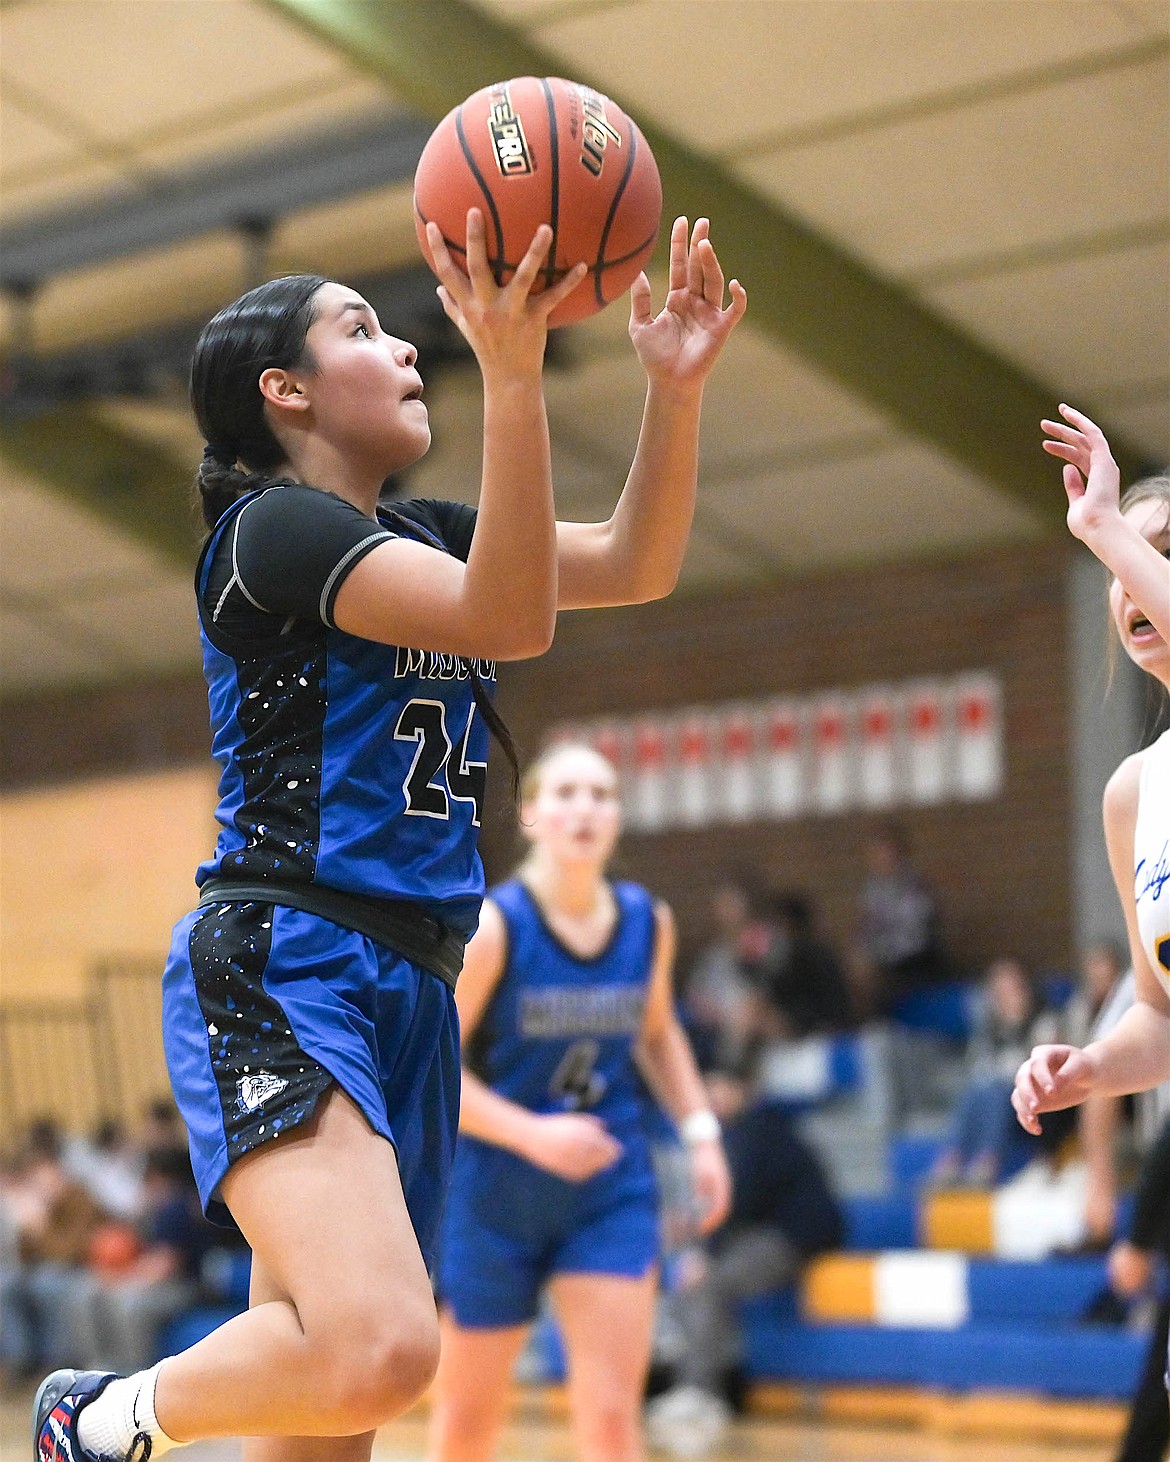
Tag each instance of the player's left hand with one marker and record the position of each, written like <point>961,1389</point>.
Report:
<point>1091,478</point>
<point>682,342</point>
<point>1052,1078</point>
<point>711,1182</point>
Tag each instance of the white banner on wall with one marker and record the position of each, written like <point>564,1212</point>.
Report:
<point>873,748</point>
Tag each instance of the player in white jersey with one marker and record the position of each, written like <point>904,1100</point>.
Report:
<point>1130,534</point>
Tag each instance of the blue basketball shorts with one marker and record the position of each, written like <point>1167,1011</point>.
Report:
<point>264,1007</point>
<point>509,1227</point>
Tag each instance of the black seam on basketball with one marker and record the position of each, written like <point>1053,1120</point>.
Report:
<point>485,190</point>
<point>554,201</point>
<point>613,208</point>
<point>453,247</point>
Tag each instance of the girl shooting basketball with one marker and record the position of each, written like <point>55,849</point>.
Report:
<point>566,995</point>
<point>1131,536</point>
<point>308,1009</point>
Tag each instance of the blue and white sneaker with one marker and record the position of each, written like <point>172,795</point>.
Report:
<point>61,1396</point>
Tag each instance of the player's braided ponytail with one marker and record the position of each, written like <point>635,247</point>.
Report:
<point>264,328</point>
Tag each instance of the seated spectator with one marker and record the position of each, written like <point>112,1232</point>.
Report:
<point>721,1001</point>
<point>118,1316</point>
<point>1102,965</point>
<point>50,1219</point>
<point>986,1144</point>
<point>897,945</point>
<point>783,1212</point>
<point>805,988</point>
<point>109,1166</point>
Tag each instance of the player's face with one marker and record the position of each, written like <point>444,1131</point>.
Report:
<point>1141,641</point>
<point>575,815</point>
<point>364,390</point>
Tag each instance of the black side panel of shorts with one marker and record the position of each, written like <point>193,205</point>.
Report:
<point>267,1084</point>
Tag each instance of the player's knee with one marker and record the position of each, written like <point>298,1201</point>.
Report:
<point>383,1365</point>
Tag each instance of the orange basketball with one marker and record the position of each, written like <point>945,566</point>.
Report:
<point>543,150</point>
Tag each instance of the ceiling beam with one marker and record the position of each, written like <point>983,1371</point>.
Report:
<point>809,294</point>
<point>267,184</point>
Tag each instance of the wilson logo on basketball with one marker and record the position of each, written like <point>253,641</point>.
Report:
<point>596,132</point>
<point>508,141</point>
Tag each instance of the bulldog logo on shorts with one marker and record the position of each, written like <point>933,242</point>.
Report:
<point>253,1091</point>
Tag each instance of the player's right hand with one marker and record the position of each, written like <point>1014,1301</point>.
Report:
<point>1052,1078</point>
<point>505,325</point>
<point>572,1145</point>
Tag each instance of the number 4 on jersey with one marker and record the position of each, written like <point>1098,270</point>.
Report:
<point>440,773</point>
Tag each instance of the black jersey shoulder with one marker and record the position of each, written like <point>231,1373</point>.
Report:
<point>453,524</point>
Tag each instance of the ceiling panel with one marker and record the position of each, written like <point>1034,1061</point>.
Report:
<point>28,143</point>
<point>879,192</point>
<point>75,179</point>
<point>282,115</point>
<point>181,64</point>
<point>1089,323</point>
<point>365,233</point>
<point>806,62</point>
<point>903,502</point>
<point>1146,417</point>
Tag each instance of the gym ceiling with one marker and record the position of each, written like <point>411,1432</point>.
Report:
<point>949,214</point>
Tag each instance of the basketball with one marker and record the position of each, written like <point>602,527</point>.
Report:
<point>544,150</point>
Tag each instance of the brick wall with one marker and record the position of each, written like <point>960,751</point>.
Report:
<point>1001,868</point>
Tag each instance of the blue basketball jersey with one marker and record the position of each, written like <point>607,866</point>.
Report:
<point>559,1032</point>
<point>354,765</point>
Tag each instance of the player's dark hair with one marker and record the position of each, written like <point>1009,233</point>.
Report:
<point>263,329</point>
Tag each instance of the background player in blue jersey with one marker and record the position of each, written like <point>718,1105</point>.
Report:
<point>310,1024</point>
<point>566,1002</point>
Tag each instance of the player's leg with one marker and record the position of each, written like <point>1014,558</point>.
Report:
<point>356,1339</point>
<point>607,1322</point>
<point>262,1290</point>
<point>472,1389</point>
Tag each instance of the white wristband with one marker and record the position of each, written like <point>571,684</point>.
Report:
<point>700,1126</point>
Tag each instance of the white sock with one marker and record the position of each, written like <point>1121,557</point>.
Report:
<point>107,1427</point>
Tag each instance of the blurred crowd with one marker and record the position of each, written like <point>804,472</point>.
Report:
<point>102,1243</point>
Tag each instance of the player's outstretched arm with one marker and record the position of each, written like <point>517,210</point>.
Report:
<point>1092,482</point>
<point>636,554</point>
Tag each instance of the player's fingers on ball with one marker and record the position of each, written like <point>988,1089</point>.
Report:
<point>548,299</point>
<point>478,267</point>
<point>695,264</point>
<point>534,257</point>
<point>445,266</point>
